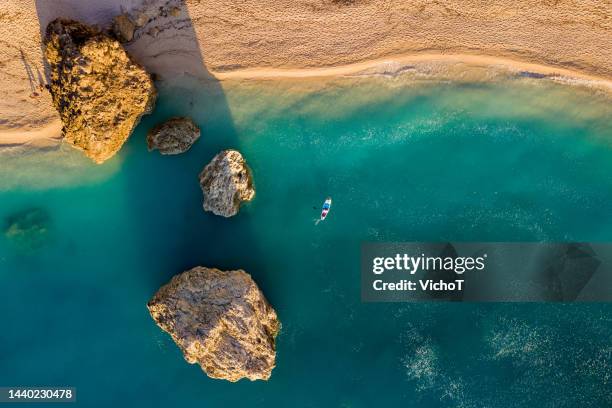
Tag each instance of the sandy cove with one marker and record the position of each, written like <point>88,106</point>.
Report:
<point>217,40</point>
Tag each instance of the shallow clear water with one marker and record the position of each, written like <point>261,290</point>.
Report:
<point>403,161</point>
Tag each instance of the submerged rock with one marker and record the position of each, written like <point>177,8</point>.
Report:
<point>28,229</point>
<point>98,90</point>
<point>221,321</point>
<point>226,182</point>
<point>174,136</point>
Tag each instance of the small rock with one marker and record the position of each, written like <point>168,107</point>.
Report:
<point>124,27</point>
<point>141,19</point>
<point>174,136</point>
<point>221,321</point>
<point>226,182</point>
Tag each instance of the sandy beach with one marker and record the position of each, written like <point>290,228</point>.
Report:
<point>216,40</point>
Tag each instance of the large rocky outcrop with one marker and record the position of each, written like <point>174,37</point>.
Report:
<point>174,136</point>
<point>226,182</point>
<point>99,91</point>
<point>221,321</point>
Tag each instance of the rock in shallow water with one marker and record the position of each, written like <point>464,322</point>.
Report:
<point>98,90</point>
<point>174,136</point>
<point>220,320</point>
<point>226,182</point>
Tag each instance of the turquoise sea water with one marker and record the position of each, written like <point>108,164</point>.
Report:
<point>403,161</point>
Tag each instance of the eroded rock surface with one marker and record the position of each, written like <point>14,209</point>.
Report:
<point>174,136</point>
<point>226,183</point>
<point>99,92</point>
<point>221,321</point>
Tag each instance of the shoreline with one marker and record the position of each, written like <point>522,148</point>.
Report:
<point>398,62</point>
<point>210,40</point>
<point>40,138</point>
<point>50,134</point>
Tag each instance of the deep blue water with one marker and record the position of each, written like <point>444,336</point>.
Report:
<point>510,161</point>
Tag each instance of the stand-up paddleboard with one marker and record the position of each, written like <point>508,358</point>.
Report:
<point>325,210</point>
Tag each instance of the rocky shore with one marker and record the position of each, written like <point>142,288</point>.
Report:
<point>99,92</point>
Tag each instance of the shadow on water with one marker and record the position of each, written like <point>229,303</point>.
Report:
<point>164,190</point>
<point>194,237</point>
<point>172,233</point>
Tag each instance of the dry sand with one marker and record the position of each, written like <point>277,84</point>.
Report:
<point>221,39</point>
